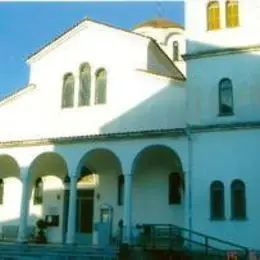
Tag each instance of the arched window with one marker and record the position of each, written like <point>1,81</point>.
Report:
<point>217,201</point>
<point>38,192</point>
<point>120,190</point>
<point>232,14</point>
<point>238,199</point>
<point>176,186</point>
<point>1,192</point>
<point>101,85</point>
<point>68,91</point>
<point>85,85</point>
<point>175,51</point>
<point>225,97</point>
<point>213,15</point>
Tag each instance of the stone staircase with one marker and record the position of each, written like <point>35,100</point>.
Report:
<point>55,252</point>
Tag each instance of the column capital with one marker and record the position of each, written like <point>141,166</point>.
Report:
<point>24,174</point>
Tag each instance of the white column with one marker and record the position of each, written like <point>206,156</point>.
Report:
<point>72,211</point>
<point>22,236</point>
<point>128,208</point>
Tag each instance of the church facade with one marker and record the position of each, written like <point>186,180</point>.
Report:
<point>157,125</point>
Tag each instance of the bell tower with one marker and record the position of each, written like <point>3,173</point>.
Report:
<point>213,24</point>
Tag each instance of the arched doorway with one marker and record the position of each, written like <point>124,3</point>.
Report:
<point>98,170</point>
<point>158,186</point>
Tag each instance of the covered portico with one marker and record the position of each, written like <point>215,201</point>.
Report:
<point>152,190</point>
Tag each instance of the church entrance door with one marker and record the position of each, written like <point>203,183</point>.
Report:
<point>84,217</point>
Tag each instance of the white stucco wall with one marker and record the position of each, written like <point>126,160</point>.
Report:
<point>134,99</point>
<point>53,198</point>
<point>150,198</point>
<point>204,76</point>
<point>230,155</point>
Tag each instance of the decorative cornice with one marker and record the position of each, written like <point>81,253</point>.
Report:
<point>98,137</point>
<point>221,52</point>
<point>158,133</point>
<point>226,127</point>
<point>17,94</point>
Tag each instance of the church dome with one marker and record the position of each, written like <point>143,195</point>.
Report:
<point>158,23</point>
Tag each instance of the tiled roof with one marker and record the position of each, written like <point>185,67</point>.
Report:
<point>159,23</point>
<point>134,135</point>
<point>96,137</point>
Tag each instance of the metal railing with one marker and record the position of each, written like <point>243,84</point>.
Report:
<point>172,237</point>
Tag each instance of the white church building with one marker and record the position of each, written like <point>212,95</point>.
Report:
<point>156,125</point>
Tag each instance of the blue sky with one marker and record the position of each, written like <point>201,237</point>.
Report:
<point>25,27</point>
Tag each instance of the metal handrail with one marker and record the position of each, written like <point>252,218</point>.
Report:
<point>207,239</point>
<point>210,237</point>
<point>199,234</point>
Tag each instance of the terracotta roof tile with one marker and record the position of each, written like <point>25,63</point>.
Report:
<point>158,23</point>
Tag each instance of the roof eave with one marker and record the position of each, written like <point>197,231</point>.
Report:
<point>17,93</point>
<point>180,75</point>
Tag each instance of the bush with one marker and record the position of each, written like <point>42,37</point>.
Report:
<point>41,226</point>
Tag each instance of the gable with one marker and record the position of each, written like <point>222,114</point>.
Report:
<point>101,44</point>
<point>96,44</point>
<point>78,28</point>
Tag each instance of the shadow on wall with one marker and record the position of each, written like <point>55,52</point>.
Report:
<point>203,77</point>
<point>165,109</point>
<point>162,102</point>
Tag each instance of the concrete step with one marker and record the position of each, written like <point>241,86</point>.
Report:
<point>47,252</point>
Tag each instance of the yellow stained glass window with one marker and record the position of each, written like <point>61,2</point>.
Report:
<point>68,91</point>
<point>232,16</point>
<point>101,85</point>
<point>213,15</point>
<point>85,85</point>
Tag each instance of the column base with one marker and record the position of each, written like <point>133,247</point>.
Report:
<point>70,241</point>
<point>22,241</point>
<point>127,235</point>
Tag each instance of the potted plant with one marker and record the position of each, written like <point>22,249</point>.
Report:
<point>41,226</point>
